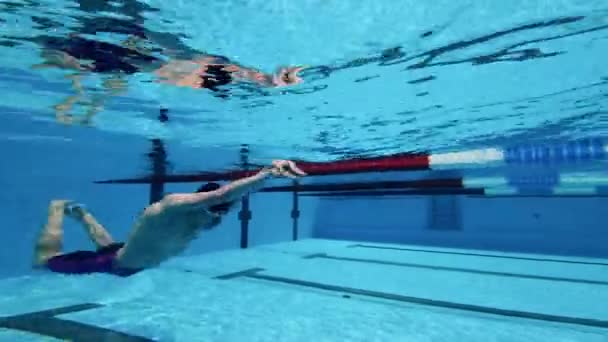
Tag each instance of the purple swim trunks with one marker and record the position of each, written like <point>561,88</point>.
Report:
<point>81,262</point>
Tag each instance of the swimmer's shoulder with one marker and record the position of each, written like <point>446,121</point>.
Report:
<point>153,209</point>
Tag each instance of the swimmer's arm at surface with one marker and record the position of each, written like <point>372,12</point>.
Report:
<point>250,74</point>
<point>227,193</point>
<point>237,71</point>
<point>283,77</point>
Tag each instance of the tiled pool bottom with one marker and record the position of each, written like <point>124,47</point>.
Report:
<point>323,291</point>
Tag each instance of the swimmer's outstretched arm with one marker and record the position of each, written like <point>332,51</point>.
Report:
<point>227,193</point>
<point>283,77</point>
<point>234,190</point>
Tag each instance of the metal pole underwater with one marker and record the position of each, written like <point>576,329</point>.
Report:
<point>245,213</point>
<point>295,211</point>
<point>158,157</point>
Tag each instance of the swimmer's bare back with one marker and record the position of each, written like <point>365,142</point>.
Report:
<point>167,227</point>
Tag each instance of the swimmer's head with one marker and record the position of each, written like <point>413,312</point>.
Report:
<point>220,209</point>
<point>287,76</point>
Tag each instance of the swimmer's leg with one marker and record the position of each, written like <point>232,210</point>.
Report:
<point>62,109</point>
<point>96,232</point>
<point>58,59</point>
<point>113,86</point>
<point>50,240</point>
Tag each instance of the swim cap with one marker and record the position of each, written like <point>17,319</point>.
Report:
<point>208,187</point>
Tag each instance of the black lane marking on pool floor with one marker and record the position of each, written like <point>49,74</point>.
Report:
<point>254,274</point>
<point>479,255</point>
<point>45,323</point>
<point>456,269</point>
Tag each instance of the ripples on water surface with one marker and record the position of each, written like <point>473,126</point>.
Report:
<point>383,76</point>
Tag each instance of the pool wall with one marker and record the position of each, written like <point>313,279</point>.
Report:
<point>563,226</point>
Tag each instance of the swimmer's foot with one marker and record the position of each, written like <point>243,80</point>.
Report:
<point>74,209</point>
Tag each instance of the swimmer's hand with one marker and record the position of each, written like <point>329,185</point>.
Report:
<point>284,168</point>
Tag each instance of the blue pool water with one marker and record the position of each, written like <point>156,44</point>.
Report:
<point>454,75</point>
<point>505,97</point>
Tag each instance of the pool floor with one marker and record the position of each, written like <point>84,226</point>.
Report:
<point>320,290</point>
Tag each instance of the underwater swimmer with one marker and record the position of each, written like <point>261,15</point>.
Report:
<point>163,230</point>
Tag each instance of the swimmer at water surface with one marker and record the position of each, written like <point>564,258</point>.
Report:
<point>113,62</point>
<point>201,71</point>
<point>163,230</point>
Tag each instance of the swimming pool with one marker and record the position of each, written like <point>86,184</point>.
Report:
<point>456,152</point>
<point>330,291</point>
